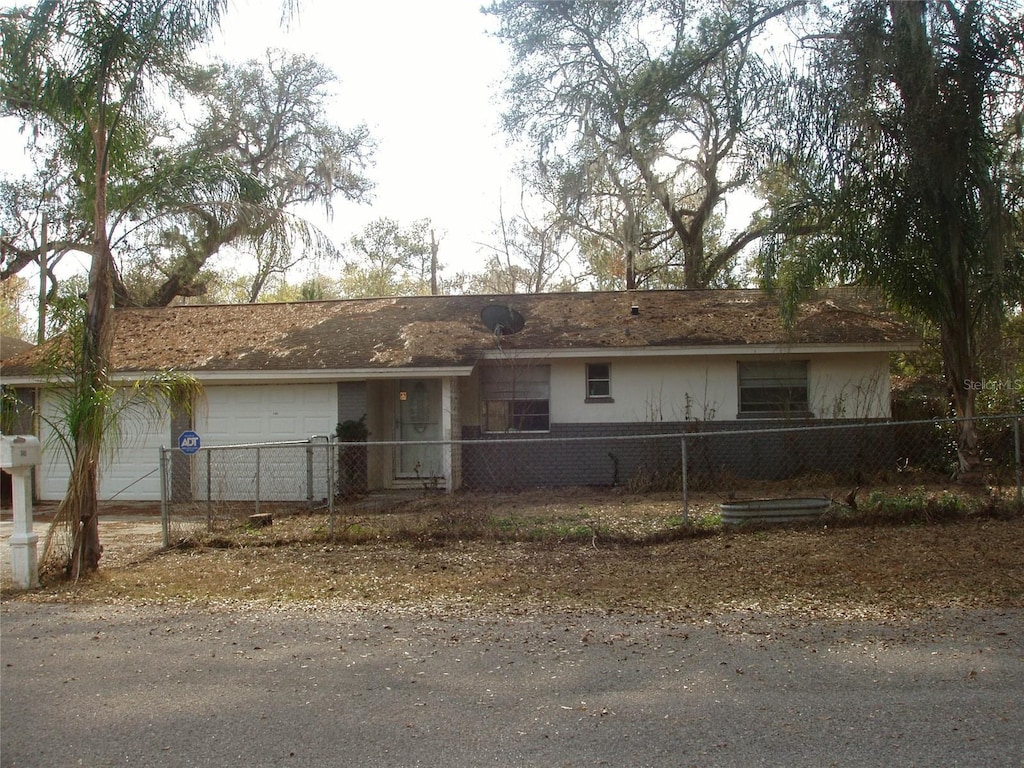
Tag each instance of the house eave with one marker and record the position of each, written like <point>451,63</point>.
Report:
<point>724,350</point>
<point>367,374</point>
<point>345,374</point>
<point>274,377</point>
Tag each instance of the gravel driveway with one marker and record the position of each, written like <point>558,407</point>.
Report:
<point>262,685</point>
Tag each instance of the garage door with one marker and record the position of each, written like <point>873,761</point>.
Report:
<point>129,472</point>
<point>234,415</point>
<point>266,414</point>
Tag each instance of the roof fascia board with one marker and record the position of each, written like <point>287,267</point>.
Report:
<point>364,374</point>
<point>340,374</point>
<point>711,350</point>
<point>279,377</point>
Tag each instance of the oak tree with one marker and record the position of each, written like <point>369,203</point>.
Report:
<point>644,106</point>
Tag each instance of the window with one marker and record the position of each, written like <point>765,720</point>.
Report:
<point>599,382</point>
<point>515,398</point>
<point>773,389</point>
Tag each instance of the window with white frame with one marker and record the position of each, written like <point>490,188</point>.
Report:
<point>514,398</point>
<point>773,389</point>
<point>599,382</point>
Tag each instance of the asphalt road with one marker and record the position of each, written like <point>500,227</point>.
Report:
<point>257,685</point>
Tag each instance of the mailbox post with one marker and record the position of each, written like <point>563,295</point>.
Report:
<point>18,454</point>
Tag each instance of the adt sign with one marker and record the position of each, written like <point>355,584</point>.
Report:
<point>188,442</point>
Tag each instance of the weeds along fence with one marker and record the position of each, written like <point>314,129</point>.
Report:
<point>736,462</point>
<point>229,485</point>
<point>235,485</point>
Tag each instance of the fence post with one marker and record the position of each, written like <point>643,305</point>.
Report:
<point>309,474</point>
<point>259,469</point>
<point>1017,455</point>
<point>209,490</point>
<point>331,466</point>
<point>686,500</point>
<point>164,506</point>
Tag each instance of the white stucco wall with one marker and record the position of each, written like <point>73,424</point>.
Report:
<point>646,390</point>
<point>848,387</point>
<point>656,389</point>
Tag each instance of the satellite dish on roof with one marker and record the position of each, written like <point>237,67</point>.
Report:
<point>502,320</point>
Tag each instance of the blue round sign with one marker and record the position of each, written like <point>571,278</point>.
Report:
<point>188,442</point>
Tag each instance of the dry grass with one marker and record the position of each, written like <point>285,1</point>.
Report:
<point>903,552</point>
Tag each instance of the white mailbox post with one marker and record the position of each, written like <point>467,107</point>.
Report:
<point>18,454</point>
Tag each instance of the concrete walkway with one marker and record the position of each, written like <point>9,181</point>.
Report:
<point>125,526</point>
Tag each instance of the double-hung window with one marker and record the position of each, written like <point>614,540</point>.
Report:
<point>515,398</point>
<point>599,382</point>
<point>773,389</point>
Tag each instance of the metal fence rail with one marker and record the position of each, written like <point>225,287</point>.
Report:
<point>227,485</point>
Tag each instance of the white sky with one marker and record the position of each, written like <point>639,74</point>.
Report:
<point>424,77</point>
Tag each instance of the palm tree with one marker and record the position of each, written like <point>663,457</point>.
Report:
<point>902,171</point>
<point>81,72</point>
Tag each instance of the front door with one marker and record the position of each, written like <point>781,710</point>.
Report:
<point>419,421</point>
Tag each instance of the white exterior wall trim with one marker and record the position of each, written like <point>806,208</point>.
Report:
<point>272,377</point>
<point>735,350</point>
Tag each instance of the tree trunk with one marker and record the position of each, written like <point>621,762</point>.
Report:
<point>83,488</point>
<point>962,379</point>
<point>79,508</point>
<point>434,246</point>
<point>693,267</point>
<point>944,170</point>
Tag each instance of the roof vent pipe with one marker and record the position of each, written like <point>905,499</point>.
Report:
<point>634,310</point>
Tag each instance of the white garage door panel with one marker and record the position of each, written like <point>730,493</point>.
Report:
<point>267,413</point>
<point>128,473</point>
<point>54,474</point>
<point>272,413</point>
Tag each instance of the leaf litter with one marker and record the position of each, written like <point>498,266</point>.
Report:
<point>579,550</point>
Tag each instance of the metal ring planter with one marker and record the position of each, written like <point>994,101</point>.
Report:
<point>772,510</point>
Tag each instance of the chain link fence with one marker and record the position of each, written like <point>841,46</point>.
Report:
<point>736,462</point>
<point>222,485</point>
<point>249,484</point>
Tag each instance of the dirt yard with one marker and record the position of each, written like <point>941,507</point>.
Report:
<point>585,550</point>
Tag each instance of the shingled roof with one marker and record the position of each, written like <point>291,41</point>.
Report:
<point>11,346</point>
<point>443,331</point>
